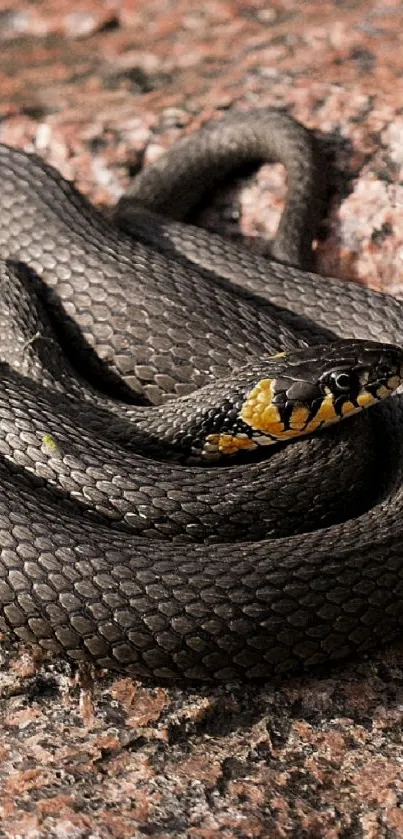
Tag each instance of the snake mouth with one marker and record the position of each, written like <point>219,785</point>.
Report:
<point>315,388</point>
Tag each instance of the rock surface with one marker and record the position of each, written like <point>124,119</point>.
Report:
<point>99,89</point>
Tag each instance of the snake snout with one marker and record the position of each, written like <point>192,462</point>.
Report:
<point>382,371</point>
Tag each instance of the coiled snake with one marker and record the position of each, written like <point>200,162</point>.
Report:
<point>113,546</point>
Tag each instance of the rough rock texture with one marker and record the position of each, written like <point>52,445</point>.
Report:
<point>100,88</point>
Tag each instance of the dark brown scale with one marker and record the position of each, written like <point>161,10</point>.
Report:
<point>164,570</point>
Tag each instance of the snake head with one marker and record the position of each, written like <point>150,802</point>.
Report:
<point>309,389</point>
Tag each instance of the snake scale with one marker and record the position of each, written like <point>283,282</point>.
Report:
<point>135,561</point>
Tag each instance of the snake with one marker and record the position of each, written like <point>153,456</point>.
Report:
<point>178,498</point>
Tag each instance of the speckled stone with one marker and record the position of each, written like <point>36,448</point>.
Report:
<point>98,89</point>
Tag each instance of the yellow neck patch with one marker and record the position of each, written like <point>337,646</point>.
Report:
<point>260,414</point>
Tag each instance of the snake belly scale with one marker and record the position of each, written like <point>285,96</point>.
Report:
<point>112,552</point>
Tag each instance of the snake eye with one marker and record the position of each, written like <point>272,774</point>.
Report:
<point>340,381</point>
<point>383,371</point>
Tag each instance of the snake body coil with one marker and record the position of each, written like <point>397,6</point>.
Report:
<point>108,549</point>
